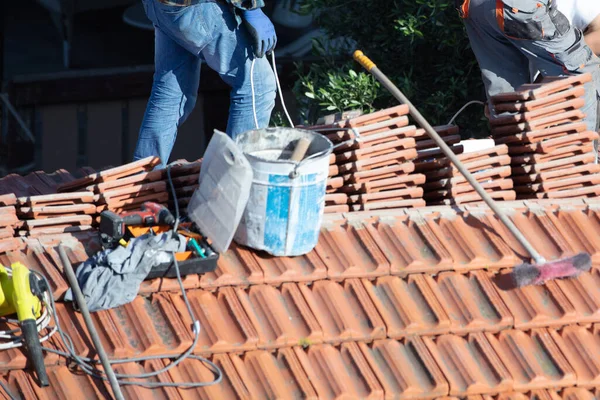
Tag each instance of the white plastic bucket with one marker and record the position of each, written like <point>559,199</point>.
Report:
<point>285,210</point>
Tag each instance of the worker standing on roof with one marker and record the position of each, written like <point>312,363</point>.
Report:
<point>507,35</point>
<point>226,34</point>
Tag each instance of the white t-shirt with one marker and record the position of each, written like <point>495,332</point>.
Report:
<point>580,13</point>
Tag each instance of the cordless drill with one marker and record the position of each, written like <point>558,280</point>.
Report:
<point>113,226</point>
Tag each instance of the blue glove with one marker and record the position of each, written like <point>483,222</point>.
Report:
<point>262,31</point>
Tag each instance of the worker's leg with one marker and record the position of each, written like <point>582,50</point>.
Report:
<point>230,54</point>
<point>174,92</point>
<point>503,66</point>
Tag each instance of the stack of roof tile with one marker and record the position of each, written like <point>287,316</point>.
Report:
<point>551,150</point>
<point>428,149</point>
<point>446,185</point>
<point>410,304</point>
<point>119,189</point>
<point>8,222</point>
<point>127,187</point>
<point>55,213</point>
<point>375,171</point>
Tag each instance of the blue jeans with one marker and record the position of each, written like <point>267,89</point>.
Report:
<point>184,38</point>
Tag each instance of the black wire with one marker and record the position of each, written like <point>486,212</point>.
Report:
<point>174,198</point>
<point>92,371</point>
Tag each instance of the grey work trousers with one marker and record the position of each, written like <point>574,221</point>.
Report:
<point>509,35</point>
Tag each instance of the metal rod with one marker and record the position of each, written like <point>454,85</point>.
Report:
<point>371,67</point>
<point>89,323</point>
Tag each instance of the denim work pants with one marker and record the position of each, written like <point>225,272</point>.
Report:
<point>507,36</point>
<point>184,38</point>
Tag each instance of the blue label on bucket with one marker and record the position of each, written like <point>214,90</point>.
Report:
<point>277,212</point>
<point>309,209</point>
<point>293,218</point>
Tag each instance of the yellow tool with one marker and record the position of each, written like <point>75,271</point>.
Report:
<point>20,294</point>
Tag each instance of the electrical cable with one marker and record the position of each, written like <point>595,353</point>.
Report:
<point>463,108</point>
<point>88,365</point>
<point>278,84</point>
<point>253,94</point>
<point>84,362</point>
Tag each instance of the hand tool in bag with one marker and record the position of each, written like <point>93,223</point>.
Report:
<point>526,273</point>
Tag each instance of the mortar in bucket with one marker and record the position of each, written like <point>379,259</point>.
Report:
<point>284,212</point>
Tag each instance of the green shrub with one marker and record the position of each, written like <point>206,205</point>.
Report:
<point>420,44</point>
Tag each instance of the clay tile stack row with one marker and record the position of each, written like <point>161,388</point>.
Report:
<point>427,148</point>
<point>185,177</point>
<point>8,222</point>
<point>552,154</point>
<point>127,187</point>
<point>55,213</point>
<point>446,186</point>
<point>375,171</point>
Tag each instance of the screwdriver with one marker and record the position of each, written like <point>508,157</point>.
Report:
<point>194,245</point>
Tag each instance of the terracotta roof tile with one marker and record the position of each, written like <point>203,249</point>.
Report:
<point>408,306</point>
<point>544,232</point>
<point>225,325</point>
<point>533,359</point>
<point>405,369</point>
<point>544,395</point>
<point>582,292</point>
<point>342,311</point>
<point>512,396</point>
<point>350,251</point>
<point>472,303</point>
<point>539,306</point>
<point>577,394</point>
<point>470,364</point>
<point>339,373</point>
<point>265,376</point>
<point>577,343</point>
<point>278,270</point>
<point>282,316</point>
<point>412,244</point>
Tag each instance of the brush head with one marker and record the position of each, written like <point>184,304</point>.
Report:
<point>531,274</point>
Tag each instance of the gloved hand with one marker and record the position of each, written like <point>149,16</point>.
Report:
<point>262,31</point>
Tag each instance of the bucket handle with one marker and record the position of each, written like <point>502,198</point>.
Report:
<point>357,138</point>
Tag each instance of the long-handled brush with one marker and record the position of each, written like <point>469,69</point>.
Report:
<point>524,274</point>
